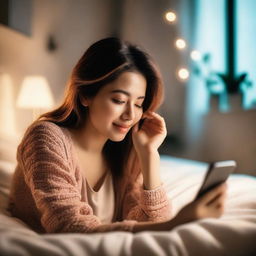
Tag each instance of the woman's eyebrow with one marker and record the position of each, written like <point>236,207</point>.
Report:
<point>126,93</point>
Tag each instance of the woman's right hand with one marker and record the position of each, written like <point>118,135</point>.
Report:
<point>210,205</point>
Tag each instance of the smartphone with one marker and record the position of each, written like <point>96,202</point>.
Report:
<point>217,173</point>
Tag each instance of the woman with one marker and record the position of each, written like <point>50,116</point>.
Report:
<point>92,165</point>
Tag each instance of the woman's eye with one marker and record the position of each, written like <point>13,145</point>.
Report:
<point>122,102</point>
<point>118,101</point>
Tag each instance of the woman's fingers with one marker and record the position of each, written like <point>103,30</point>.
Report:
<point>219,201</point>
<point>152,115</point>
<point>210,205</point>
<point>213,194</point>
<point>151,132</point>
<point>153,121</point>
<point>153,124</point>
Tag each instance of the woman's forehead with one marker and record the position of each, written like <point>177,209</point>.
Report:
<point>129,83</point>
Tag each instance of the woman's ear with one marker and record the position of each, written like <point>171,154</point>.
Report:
<point>84,100</point>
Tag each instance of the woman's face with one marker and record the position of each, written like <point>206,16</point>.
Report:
<point>117,107</point>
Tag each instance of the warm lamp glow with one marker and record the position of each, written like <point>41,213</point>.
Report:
<point>35,93</point>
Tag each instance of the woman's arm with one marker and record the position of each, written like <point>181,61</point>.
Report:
<point>146,141</point>
<point>158,226</point>
<point>44,158</point>
<point>145,205</point>
<point>146,198</point>
<point>211,205</point>
<point>150,167</point>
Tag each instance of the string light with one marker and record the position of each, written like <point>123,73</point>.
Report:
<point>170,16</point>
<point>180,43</point>
<point>183,73</point>
<point>195,55</point>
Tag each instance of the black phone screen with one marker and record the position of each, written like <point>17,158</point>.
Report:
<point>217,173</point>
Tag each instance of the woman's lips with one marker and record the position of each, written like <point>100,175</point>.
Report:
<point>121,128</point>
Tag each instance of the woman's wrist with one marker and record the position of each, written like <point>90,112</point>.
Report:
<point>150,226</point>
<point>150,167</point>
<point>158,226</point>
<point>146,152</point>
<point>149,158</point>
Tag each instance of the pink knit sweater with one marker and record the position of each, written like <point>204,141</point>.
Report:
<point>46,188</point>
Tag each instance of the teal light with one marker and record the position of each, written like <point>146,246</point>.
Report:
<point>208,38</point>
<point>217,88</point>
<point>224,34</point>
<point>246,47</point>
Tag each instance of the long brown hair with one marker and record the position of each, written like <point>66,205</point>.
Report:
<point>102,63</point>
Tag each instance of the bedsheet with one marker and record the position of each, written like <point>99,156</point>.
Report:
<point>232,234</point>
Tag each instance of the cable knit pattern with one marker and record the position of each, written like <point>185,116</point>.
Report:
<point>46,188</point>
<point>146,205</point>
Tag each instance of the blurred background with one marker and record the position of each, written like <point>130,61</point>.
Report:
<point>205,50</point>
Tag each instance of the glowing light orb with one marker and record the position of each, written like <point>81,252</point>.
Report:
<point>183,73</point>
<point>180,43</point>
<point>170,17</point>
<point>195,55</point>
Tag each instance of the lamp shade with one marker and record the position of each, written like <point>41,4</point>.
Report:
<point>35,93</point>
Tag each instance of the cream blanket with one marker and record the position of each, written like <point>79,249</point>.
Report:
<point>233,234</point>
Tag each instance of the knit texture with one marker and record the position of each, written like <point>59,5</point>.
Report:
<point>46,189</point>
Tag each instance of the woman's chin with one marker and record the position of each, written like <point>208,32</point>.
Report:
<point>117,138</point>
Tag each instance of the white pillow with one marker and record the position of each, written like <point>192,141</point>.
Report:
<point>8,147</point>
<point>6,172</point>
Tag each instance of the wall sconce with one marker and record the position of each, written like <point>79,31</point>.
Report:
<point>35,94</point>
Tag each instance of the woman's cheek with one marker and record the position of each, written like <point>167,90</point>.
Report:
<point>138,117</point>
<point>106,106</point>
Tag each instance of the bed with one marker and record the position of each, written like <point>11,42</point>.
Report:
<point>233,234</point>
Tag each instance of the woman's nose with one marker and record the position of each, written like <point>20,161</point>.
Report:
<point>129,113</point>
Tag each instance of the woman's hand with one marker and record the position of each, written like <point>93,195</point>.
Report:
<point>210,205</point>
<point>151,134</point>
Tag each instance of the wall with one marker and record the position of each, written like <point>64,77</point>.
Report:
<point>74,26</point>
<point>230,136</point>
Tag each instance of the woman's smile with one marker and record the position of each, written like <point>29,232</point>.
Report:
<point>122,128</point>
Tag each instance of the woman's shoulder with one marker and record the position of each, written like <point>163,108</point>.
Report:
<point>46,131</point>
<point>44,125</point>
<point>41,127</point>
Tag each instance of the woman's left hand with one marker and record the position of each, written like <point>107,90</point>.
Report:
<point>151,134</point>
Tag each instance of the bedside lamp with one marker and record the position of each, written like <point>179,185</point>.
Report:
<point>35,94</point>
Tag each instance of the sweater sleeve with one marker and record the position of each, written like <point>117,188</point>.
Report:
<point>54,188</point>
<point>146,205</point>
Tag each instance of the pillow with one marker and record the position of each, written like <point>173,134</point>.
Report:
<point>8,147</point>
<point>6,172</point>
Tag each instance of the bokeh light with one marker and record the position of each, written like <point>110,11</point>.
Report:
<point>195,55</point>
<point>180,43</point>
<point>183,73</point>
<point>170,16</point>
